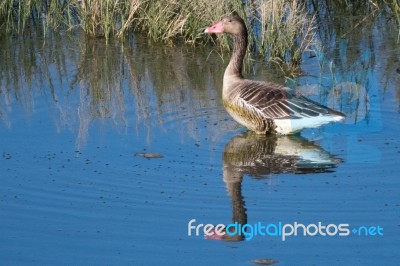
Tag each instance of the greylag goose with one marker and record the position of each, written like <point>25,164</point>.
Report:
<point>264,107</point>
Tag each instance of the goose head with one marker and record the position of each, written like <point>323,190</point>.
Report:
<point>232,25</point>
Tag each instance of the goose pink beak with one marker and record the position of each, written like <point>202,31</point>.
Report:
<point>214,236</point>
<point>217,28</point>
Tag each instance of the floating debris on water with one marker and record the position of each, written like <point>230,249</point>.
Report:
<point>149,155</point>
<point>264,261</point>
<point>7,155</point>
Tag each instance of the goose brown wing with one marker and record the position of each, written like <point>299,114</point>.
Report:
<point>278,102</point>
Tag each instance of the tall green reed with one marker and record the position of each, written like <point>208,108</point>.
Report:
<point>280,30</point>
<point>284,30</point>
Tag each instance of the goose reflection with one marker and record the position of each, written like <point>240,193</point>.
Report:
<point>260,156</point>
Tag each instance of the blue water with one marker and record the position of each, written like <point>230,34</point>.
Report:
<point>75,115</point>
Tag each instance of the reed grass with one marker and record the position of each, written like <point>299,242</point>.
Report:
<point>280,30</point>
<point>168,21</point>
<point>284,30</point>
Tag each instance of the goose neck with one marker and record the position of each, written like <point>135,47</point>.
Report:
<point>234,69</point>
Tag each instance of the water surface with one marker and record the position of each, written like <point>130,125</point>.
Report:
<point>81,121</point>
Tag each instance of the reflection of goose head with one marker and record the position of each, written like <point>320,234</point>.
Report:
<point>259,156</point>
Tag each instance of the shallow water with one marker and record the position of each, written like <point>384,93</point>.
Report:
<point>109,152</point>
